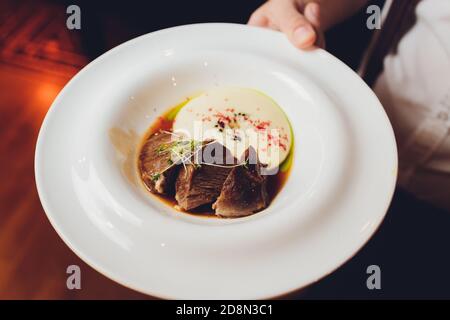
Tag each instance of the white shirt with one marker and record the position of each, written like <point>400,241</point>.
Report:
<point>414,89</point>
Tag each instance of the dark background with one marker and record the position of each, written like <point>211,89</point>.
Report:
<point>112,22</point>
<point>38,55</point>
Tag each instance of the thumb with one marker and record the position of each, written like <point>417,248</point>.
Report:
<point>298,29</point>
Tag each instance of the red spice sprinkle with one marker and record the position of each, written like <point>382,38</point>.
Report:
<point>222,117</point>
<point>263,125</point>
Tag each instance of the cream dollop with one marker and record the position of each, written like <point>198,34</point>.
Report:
<point>238,118</point>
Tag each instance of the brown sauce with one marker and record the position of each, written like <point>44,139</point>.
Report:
<point>165,122</point>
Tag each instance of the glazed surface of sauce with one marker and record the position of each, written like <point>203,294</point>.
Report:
<point>165,122</point>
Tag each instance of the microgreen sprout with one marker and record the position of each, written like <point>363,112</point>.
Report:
<point>182,151</point>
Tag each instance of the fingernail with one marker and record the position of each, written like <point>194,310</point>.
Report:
<point>315,10</point>
<point>303,34</point>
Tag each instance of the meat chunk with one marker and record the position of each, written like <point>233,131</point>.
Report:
<point>201,183</point>
<point>153,164</point>
<point>244,191</point>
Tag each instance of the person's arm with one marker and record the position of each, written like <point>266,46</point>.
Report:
<point>304,21</point>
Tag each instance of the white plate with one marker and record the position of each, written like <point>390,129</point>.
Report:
<point>342,180</point>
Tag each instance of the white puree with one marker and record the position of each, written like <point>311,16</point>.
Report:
<point>238,118</point>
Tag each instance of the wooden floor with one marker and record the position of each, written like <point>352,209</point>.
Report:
<point>37,58</point>
<point>33,259</point>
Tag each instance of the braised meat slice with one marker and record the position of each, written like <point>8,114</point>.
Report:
<point>153,162</point>
<point>200,183</point>
<point>244,191</point>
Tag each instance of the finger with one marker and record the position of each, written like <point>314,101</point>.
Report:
<point>312,14</point>
<point>298,29</point>
<point>258,19</point>
<point>273,26</point>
